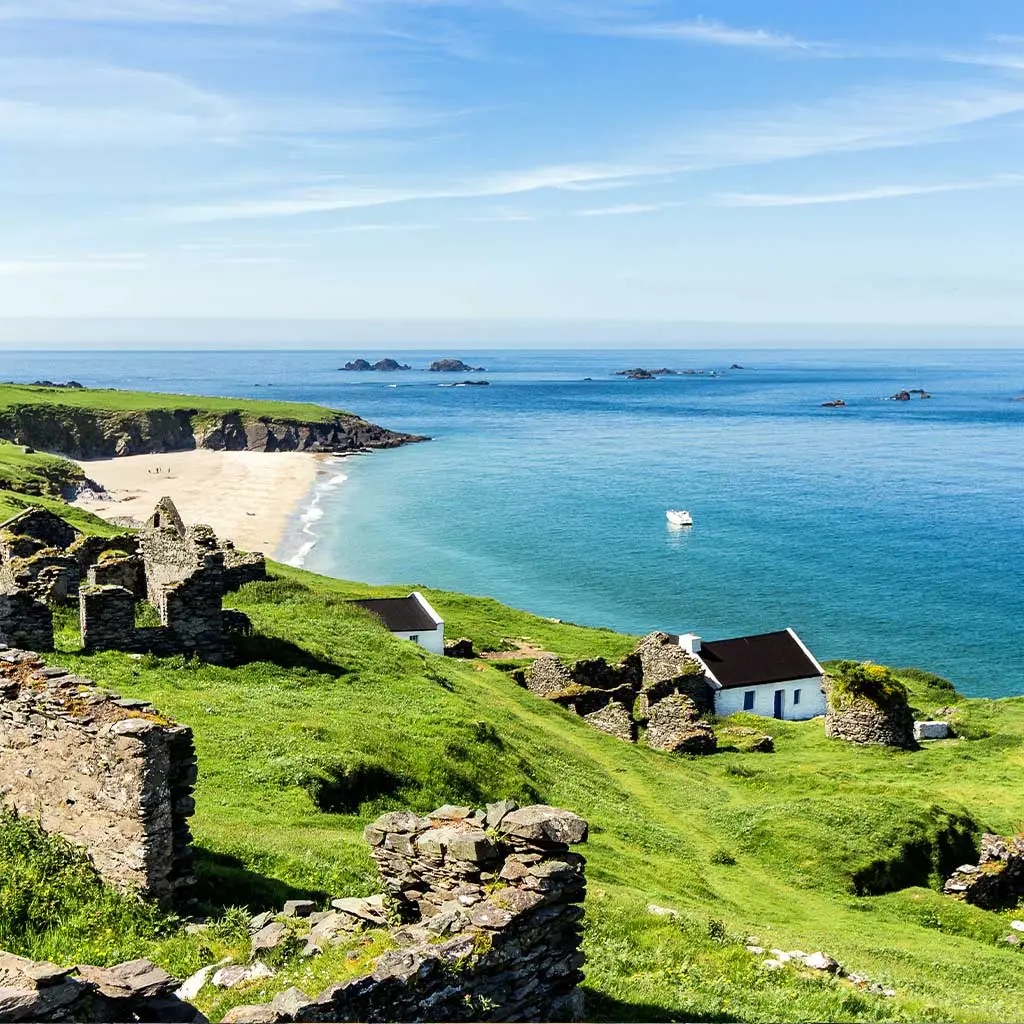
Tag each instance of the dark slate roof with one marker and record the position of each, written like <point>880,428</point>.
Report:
<point>399,614</point>
<point>752,660</point>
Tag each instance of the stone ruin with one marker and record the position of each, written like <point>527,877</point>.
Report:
<point>997,880</point>
<point>184,572</point>
<point>111,775</point>
<point>861,720</point>
<point>133,991</point>
<point>490,914</point>
<point>659,686</point>
<point>46,557</point>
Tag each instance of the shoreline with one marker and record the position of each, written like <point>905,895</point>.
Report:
<point>250,498</point>
<point>301,536</point>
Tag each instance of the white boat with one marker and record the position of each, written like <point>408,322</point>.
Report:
<point>679,517</point>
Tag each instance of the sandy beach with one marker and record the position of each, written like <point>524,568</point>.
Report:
<point>247,497</point>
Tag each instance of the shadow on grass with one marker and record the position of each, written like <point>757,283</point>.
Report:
<point>284,654</point>
<point>223,881</point>
<point>600,1007</point>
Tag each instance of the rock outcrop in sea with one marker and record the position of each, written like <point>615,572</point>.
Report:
<point>453,366</point>
<point>381,366</point>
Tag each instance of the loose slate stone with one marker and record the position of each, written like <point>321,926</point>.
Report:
<point>131,980</point>
<point>399,821</point>
<point>371,909</point>
<point>44,974</point>
<point>259,921</point>
<point>298,908</point>
<point>291,1001</point>
<point>823,962</point>
<point>133,727</point>
<point>486,916</point>
<point>545,824</point>
<point>20,1004</point>
<point>451,812</point>
<point>252,1015</point>
<point>269,937</point>
<point>241,974</point>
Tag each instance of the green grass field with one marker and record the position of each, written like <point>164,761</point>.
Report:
<point>116,401</point>
<point>329,720</point>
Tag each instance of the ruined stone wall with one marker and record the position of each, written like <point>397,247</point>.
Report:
<point>109,775</point>
<point>169,559</point>
<point>107,618</point>
<point>492,904</point>
<point>133,991</point>
<point>191,610</point>
<point>860,720</point>
<point>997,880</point>
<point>659,685</point>
<point>120,572</point>
<point>25,622</point>
<point>241,567</point>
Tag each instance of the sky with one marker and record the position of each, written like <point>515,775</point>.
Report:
<point>511,169</point>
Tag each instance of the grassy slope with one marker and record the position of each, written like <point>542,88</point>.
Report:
<point>330,708</point>
<point>331,696</point>
<point>34,472</point>
<point>109,400</point>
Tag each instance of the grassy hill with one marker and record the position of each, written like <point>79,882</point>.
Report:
<point>116,401</point>
<point>88,424</point>
<point>329,720</point>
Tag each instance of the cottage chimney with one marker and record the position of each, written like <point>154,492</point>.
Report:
<point>690,643</point>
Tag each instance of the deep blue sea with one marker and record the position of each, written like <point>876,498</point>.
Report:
<point>885,530</point>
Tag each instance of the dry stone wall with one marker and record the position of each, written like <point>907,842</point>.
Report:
<point>25,621</point>
<point>997,880</point>
<point>127,572</point>
<point>860,720</point>
<point>185,574</point>
<point>676,726</point>
<point>616,699</point>
<point>491,905</point>
<point>109,774</point>
<point>133,991</point>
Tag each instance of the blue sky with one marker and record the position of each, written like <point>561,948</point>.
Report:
<point>514,162</point>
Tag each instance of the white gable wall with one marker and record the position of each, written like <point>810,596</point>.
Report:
<point>429,639</point>
<point>812,700</point>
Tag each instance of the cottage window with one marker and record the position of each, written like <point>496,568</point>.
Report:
<point>796,696</point>
<point>415,638</point>
<point>748,700</point>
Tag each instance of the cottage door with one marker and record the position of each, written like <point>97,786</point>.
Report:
<point>779,694</point>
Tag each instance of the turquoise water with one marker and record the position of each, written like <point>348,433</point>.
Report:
<point>886,530</point>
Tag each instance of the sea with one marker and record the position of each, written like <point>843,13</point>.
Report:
<point>883,530</point>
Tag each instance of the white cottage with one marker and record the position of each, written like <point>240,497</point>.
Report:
<point>409,618</point>
<point>771,674</point>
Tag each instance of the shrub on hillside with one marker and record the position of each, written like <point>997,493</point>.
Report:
<point>854,680</point>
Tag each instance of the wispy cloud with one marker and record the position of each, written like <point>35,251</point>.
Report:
<point>714,33</point>
<point>767,199</point>
<point>859,120</point>
<point>338,200</point>
<point>383,228</point>
<point>63,103</point>
<point>626,209</point>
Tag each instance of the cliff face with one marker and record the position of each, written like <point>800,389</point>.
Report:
<point>98,434</point>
